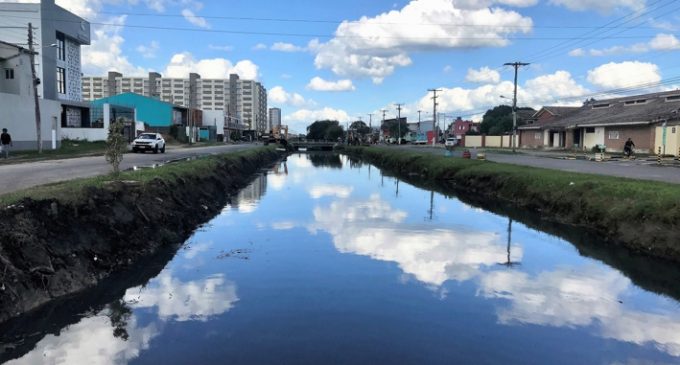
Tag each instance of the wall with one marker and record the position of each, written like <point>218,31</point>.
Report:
<point>18,116</point>
<point>473,141</point>
<point>672,140</point>
<point>21,84</point>
<point>214,118</point>
<point>19,15</point>
<point>642,136</point>
<point>152,112</point>
<point>90,134</point>
<point>493,141</point>
<point>592,139</point>
<point>528,138</point>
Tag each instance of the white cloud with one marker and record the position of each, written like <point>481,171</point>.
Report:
<point>149,51</point>
<point>319,84</point>
<point>665,42</point>
<point>375,47</point>
<point>259,47</point>
<point>181,64</point>
<point>602,6</point>
<point>551,88</point>
<point>105,52</point>
<point>483,75</point>
<point>338,191</point>
<point>195,19</point>
<point>661,42</point>
<point>300,119</point>
<point>447,69</point>
<point>286,47</point>
<point>279,96</point>
<point>625,74</point>
<point>221,48</point>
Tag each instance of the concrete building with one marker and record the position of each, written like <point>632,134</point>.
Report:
<point>17,102</point>
<point>274,118</point>
<point>228,101</point>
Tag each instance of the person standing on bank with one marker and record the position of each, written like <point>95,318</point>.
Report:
<point>5,142</point>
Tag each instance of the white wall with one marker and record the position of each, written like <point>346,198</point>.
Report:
<point>18,116</point>
<point>214,118</point>
<point>592,139</point>
<point>19,15</point>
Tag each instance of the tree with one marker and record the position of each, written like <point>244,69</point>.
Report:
<point>393,127</point>
<point>360,128</point>
<point>325,129</point>
<point>498,120</point>
<point>115,145</point>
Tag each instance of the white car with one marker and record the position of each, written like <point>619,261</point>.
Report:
<point>450,142</point>
<point>149,142</point>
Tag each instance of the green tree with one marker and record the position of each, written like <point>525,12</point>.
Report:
<point>360,128</point>
<point>324,129</point>
<point>498,120</point>
<point>393,127</point>
<point>115,145</point>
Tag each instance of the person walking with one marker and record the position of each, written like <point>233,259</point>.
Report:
<point>5,142</point>
<point>628,148</point>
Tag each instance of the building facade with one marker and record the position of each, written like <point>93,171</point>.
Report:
<point>240,101</point>
<point>274,118</point>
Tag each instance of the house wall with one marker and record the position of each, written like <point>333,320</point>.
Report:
<point>493,141</point>
<point>18,116</point>
<point>21,64</point>
<point>643,136</point>
<point>592,139</point>
<point>152,112</point>
<point>506,141</point>
<point>473,141</point>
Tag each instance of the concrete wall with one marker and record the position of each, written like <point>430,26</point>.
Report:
<point>643,136</point>
<point>90,134</point>
<point>493,141</point>
<point>214,118</point>
<point>528,138</point>
<point>592,139</point>
<point>20,63</point>
<point>672,140</point>
<point>473,141</point>
<point>507,141</point>
<point>18,116</point>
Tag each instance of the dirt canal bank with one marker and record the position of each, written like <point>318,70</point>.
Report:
<point>68,237</point>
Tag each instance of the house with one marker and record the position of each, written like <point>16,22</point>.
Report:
<point>156,115</point>
<point>459,128</point>
<point>646,119</point>
<point>533,134</point>
<point>17,102</point>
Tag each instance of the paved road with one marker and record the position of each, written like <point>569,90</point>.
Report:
<point>20,176</point>
<point>637,169</point>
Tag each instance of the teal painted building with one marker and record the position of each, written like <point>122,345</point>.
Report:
<point>152,112</point>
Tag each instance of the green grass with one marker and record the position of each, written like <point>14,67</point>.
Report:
<point>71,191</point>
<point>68,149</point>
<point>587,199</point>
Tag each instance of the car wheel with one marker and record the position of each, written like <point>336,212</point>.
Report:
<point>163,149</point>
<point>155,149</point>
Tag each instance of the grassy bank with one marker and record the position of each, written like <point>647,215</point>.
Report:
<point>642,215</point>
<point>60,239</point>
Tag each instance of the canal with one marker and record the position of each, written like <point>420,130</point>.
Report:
<point>323,260</point>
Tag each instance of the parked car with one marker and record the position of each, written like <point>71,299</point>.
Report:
<point>450,142</point>
<point>149,142</point>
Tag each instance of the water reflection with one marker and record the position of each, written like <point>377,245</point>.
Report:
<point>246,200</point>
<point>331,160</point>
<point>375,229</point>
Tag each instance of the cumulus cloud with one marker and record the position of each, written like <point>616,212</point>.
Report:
<point>602,6</point>
<point>483,75</point>
<point>322,190</point>
<point>259,47</point>
<point>552,88</point>
<point>375,47</point>
<point>286,47</point>
<point>220,48</point>
<point>625,74</point>
<point>319,84</point>
<point>279,96</point>
<point>181,64</point>
<point>105,52</point>
<point>300,119</point>
<point>665,42</point>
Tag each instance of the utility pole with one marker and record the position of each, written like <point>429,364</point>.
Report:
<point>399,105</point>
<point>370,120</point>
<point>35,87</point>
<point>516,65</point>
<point>434,115</point>
<point>419,111</point>
<point>383,123</point>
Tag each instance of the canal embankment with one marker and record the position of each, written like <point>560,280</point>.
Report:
<point>643,216</point>
<point>60,239</point>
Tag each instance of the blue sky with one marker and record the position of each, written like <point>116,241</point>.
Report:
<point>388,52</point>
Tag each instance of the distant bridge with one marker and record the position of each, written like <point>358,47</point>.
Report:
<point>312,145</point>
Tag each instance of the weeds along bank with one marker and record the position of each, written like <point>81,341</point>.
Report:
<point>60,239</point>
<point>641,215</point>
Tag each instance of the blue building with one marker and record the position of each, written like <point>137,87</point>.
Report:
<point>155,114</point>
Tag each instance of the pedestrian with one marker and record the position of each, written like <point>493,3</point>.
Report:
<point>628,148</point>
<point>5,142</point>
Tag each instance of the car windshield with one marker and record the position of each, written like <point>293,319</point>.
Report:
<point>147,136</point>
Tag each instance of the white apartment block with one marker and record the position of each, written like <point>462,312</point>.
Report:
<point>244,101</point>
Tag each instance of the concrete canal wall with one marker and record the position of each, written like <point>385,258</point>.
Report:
<point>54,247</point>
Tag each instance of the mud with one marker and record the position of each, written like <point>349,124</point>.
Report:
<point>50,249</point>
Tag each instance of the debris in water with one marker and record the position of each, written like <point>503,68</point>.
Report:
<point>236,253</point>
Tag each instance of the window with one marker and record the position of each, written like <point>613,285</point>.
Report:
<point>61,47</point>
<point>636,102</point>
<point>673,98</point>
<point>590,130</point>
<point>600,106</point>
<point>61,80</point>
<point>613,134</point>
<point>9,73</point>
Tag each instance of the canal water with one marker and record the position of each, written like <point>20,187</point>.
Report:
<point>323,260</point>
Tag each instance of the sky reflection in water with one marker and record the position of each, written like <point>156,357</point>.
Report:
<point>318,261</point>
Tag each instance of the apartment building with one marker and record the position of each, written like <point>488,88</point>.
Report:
<point>274,117</point>
<point>240,101</point>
